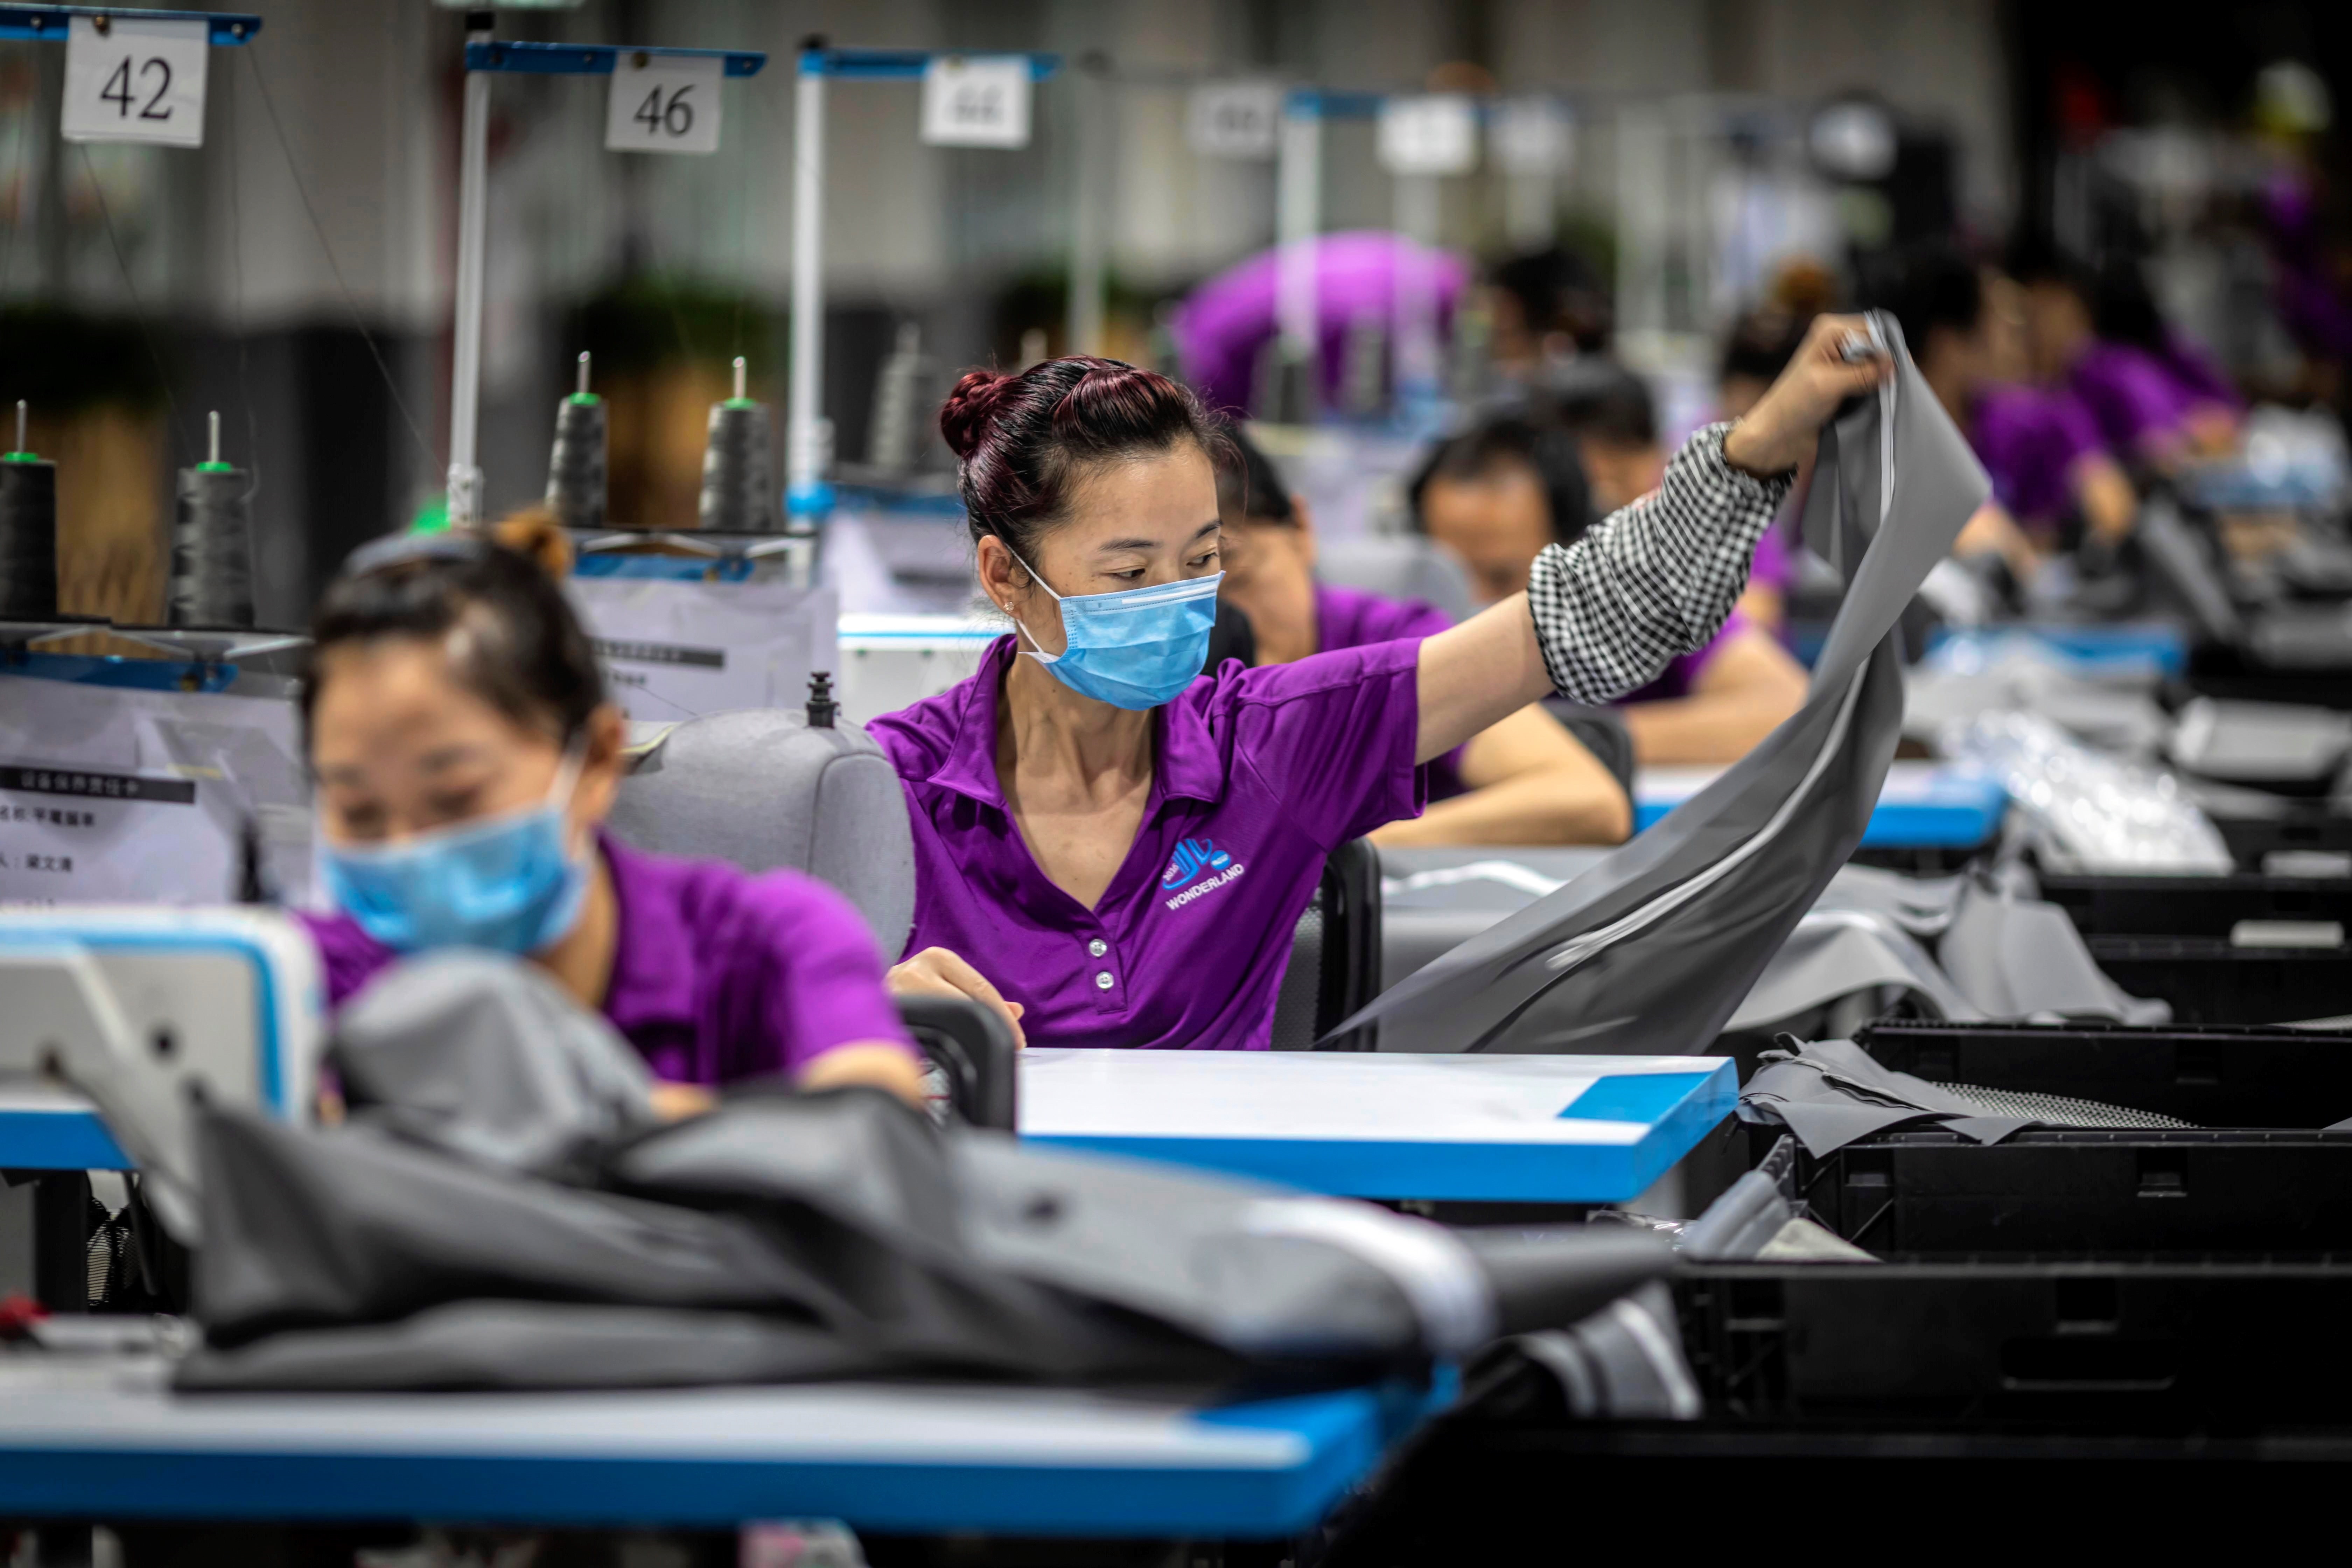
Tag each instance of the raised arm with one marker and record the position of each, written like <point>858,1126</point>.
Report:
<point>1602,616</point>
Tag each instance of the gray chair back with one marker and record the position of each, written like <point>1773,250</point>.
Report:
<point>763,788</point>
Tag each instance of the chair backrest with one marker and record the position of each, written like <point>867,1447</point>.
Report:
<point>1335,954</point>
<point>764,788</point>
<point>1398,566</point>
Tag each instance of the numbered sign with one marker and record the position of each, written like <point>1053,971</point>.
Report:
<point>1234,119</point>
<point>1531,136</point>
<point>663,103</point>
<point>1435,133</point>
<point>135,81</point>
<point>976,101</point>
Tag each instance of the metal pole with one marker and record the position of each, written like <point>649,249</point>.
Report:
<point>808,438</point>
<point>1299,218</point>
<point>1082,331</point>
<point>473,215</point>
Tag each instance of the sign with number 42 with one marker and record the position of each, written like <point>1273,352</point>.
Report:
<point>135,81</point>
<point>663,103</point>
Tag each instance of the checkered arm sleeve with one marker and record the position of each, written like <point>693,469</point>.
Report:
<point>1653,579</point>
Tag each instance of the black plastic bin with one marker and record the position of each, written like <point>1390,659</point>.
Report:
<point>2194,905</point>
<point>2289,824</point>
<point>2208,1075</point>
<point>2210,981</point>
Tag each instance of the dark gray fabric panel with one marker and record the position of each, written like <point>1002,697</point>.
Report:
<point>1654,948</point>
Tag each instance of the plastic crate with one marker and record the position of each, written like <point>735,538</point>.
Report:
<point>2139,1281</point>
<point>2193,906</point>
<point>2208,981</point>
<point>2293,825</point>
<point>2210,1075</point>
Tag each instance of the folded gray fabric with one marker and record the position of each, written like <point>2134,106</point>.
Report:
<point>1830,1093</point>
<point>2021,958</point>
<point>1624,1363</point>
<point>1655,947</point>
<point>486,1056</point>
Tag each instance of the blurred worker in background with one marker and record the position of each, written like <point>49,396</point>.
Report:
<point>1500,492</point>
<point>2049,468</point>
<point>1524,781</point>
<point>1549,309</point>
<point>2144,411</point>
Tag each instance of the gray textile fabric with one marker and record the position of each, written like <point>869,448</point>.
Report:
<point>762,789</point>
<point>1402,566</point>
<point>1623,1362</point>
<point>2019,958</point>
<point>2105,714</point>
<point>1837,953</point>
<point>1832,1093</point>
<point>485,1056</point>
<point>2260,743</point>
<point>1654,948</point>
<point>809,1235</point>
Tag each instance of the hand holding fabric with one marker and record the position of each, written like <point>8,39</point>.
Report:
<point>1773,436</point>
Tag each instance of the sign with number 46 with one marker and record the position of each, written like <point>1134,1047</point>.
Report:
<point>663,103</point>
<point>135,81</point>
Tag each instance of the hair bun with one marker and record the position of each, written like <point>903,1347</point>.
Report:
<point>537,535</point>
<point>964,418</point>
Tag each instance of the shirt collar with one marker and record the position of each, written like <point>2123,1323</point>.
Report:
<point>652,953</point>
<point>1187,766</point>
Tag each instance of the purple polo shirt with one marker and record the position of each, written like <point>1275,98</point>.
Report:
<point>1222,325</point>
<point>2029,441</point>
<point>717,974</point>
<point>1261,772</point>
<point>1350,617</point>
<point>2130,394</point>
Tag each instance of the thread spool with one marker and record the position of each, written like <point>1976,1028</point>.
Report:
<point>211,545</point>
<point>739,467</point>
<point>28,533</point>
<point>576,465</point>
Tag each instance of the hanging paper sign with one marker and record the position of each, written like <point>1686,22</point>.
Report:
<point>1234,119</point>
<point>976,101</point>
<point>123,796</point>
<point>663,103</point>
<point>1531,136</point>
<point>676,650</point>
<point>133,81</point>
<point>1434,133</point>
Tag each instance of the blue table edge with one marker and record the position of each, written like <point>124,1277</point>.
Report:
<point>1398,1169</point>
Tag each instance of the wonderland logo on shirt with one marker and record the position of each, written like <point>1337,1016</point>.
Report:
<point>1194,857</point>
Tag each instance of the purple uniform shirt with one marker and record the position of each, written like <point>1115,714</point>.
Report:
<point>1222,325</point>
<point>1260,774</point>
<point>2130,394</point>
<point>1350,617</point>
<point>2029,441</point>
<point>717,974</point>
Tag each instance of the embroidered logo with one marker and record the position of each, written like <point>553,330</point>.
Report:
<point>1200,862</point>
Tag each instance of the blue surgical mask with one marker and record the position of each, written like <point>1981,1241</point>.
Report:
<point>1136,648</point>
<point>508,883</point>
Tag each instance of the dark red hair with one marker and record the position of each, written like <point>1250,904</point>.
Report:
<point>1022,439</point>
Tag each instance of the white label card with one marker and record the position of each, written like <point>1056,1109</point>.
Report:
<point>976,101</point>
<point>136,81</point>
<point>1531,136</point>
<point>663,103</point>
<point>1234,119</point>
<point>1432,134</point>
<point>676,650</point>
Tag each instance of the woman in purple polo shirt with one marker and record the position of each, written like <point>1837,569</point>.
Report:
<point>1525,781</point>
<point>1508,487</point>
<point>1113,847</point>
<point>465,756</point>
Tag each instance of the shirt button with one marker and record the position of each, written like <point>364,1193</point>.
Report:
<point>1098,947</point>
<point>1103,981</point>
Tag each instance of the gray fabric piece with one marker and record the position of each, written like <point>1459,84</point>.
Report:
<point>1398,566</point>
<point>1623,1362</point>
<point>2099,712</point>
<point>791,1235</point>
<point>1654,948</point>
<point>1834,1092</point>
<point>2260,743</point>
<point>1750,1213</point>
<point>2019,958</point>
<point>486,1056</point>
<point>1838,953</point>
<point>762,789</point>
<point>1809,1241</point>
